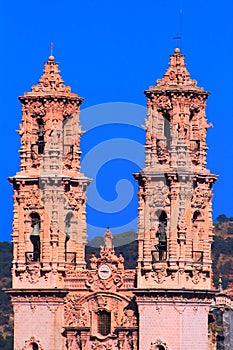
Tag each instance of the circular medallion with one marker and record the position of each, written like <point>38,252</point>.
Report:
<point>104,271</point>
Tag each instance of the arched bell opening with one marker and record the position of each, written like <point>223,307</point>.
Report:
<point>160,253</point>
<point>197,231</point>
<point>70,226</point>
<point>35,236</point>
<point>167,129</point>
<point>40,135</point>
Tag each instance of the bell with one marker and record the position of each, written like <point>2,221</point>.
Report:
<point>36,230</point>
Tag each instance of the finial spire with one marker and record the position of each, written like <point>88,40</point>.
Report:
<point>51,57</point>
<point>51,48</point>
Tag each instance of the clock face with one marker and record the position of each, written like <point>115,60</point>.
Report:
<point>104,271</point>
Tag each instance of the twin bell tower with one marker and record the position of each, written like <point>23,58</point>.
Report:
<point>60,303</point>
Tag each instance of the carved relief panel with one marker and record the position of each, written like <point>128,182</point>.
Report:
<point>103,315</point>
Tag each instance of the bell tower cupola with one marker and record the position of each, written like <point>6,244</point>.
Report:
<point>175,187</point>
<point>175,228</point>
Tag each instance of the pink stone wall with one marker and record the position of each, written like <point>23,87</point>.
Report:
<point>43,322</point>
<point>179,326</point>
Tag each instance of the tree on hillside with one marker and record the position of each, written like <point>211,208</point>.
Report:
<point>222,218</point>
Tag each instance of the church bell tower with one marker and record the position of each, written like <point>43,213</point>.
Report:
<point>49,228</point>
<point>175,228</point>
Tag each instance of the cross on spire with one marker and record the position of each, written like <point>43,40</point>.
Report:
<point>177,38</point>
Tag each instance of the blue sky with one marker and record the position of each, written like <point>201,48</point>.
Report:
<point>111,51</point>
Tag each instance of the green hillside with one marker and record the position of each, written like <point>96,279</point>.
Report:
<point>6,315</point>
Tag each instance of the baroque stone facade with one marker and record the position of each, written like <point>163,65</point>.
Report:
<point>164,303</point>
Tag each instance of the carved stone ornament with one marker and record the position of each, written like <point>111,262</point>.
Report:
<point>182,225</point>
<point>107,271</point>
<point>177,73</point>
<point>29,343</point>
<point>31,199</point>
<point>73,342</point>
<point>35,156</point>
<point>68,160</point>
<point>159,275</point>
<point>33,273</point>
<point>158,345</point>
<point>70,108</point>
<point>201,197</point>
<point>162,103</point>
<point>196,274</point>
<point>162,152</point>
<point>51,80</point>
<point>104,346</point>
<point>105,279</point>
<point>128,318</point>
<point>81,311</point>
<point>159,197</point>
<point>75,199</point>
<point>75,313</point>
<point>197,103</point>
<point>35,108</point>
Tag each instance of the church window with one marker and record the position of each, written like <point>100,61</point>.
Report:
<point>104,323</point>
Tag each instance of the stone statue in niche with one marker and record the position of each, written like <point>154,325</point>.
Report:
<point>68,160</point>
<point>162,152</point>
<point>182,130</point>
<point>35,156</point>
<point>55,133</point>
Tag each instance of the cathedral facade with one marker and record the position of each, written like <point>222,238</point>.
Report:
<point>163,304</point>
